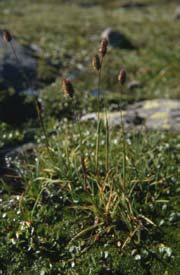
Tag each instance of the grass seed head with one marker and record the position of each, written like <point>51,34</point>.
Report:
<point>67,87</point>
<point>122,76</point>
<point>103,47</point>
<point>7,36</point>
<point>96,63</point>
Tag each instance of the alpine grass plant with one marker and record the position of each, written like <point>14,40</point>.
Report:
<point>97,206</point>
<point>107,196</point>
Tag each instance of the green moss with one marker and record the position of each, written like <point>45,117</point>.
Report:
<point>46,73</point>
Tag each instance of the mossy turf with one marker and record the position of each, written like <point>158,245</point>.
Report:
<point>65,222</point>
<point>71,219</point>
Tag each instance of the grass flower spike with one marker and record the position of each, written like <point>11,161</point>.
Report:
<point>103,47</point>
<point>67,87</point>
<point>7,36</point>
<point>122,76</point>
<point>96,63</point>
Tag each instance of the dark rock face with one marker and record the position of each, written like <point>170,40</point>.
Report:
<point>13,72</point>
<point>16,108</point>
<point>19,76</point>
<point>117,39</point>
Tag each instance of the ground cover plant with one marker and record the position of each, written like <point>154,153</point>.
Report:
<point>95,200</point>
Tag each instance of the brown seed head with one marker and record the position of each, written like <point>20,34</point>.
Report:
<point>122,76</point>
<point>7,36</point>
<point>96,63</point>
<point>67,87</point>
<point>103,47</point>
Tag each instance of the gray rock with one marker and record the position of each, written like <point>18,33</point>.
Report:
<point>177,13</point>
<point>134,85</point>
<point>21,151</point>
<point>12,71</point>
<point>34,47</point>
<point>117,39</point>
<point>89,117</point>
<point>87,5</point>
<point>9,171</point>
<point>157,114</point>
<point>130,5</point>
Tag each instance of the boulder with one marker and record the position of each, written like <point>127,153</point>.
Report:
<point>117,39</point>
<point>28,71</point>
<point>9,171</point>
<point>13,71</point>
<point>157,114</point>
<point>22,72</point>
<point>177,13</point>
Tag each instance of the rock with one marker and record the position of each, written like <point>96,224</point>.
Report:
<point>12,71</point>
<point>130,4</point>
<point>31,70</point>
<point>157,114</point>
<point>21,151</point>
<point>177,13</point>
<point>89,117</point>
<point>133,85</point>
<point>16,108</point>
<point>19,80</point>
<point>87,5</point>
<point>9,171</point>
<point>36,48</point>
<point>117,39</point>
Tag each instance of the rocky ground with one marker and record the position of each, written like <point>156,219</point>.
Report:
<point>157,114</point>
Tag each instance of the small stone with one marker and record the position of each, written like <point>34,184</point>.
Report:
<point>133,4</point>
<point>89,117</point>
<point>177,13</point>
<point>133,85</point>
<point>9,171</point>
<point>35,48</point>
<point>117,39</point>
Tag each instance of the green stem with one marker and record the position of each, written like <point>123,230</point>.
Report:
<point>85,231</point>
<point>107,143</point>
<point>99,84</point>
<point>98,125</point>
<point>81,147</point>
<point>124,149</point>
<point>82,155</point>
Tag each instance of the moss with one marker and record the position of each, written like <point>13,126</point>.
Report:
<point>46,73</point>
